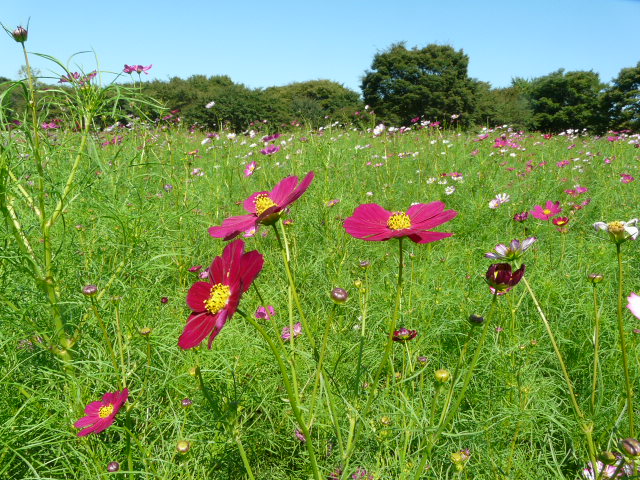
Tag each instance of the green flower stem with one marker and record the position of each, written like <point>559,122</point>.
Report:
<point>121,348</point>
<point>623,345</point>
<point>587,427</point>
<point>293,399</point>
<point>107,340</point>
<point>596,348</point>
<point>245,460</point>
<point>354,432</point>
<point>286,256</point>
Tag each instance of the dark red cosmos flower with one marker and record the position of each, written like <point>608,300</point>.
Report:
<point>101,414</point>
<point>501,279</point>
<point>215,301</point>
<point>373,223</point>
<point>404,335</point>
<point>263,207</point>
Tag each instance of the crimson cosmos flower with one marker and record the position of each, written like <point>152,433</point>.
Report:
<point>263,207</point>
<point>501,279</point>
<point>404,335</point>
<point>373,223</point>
<point>215,301</point>
<point>101,414</point>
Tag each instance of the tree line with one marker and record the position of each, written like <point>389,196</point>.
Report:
<point>403,85</point>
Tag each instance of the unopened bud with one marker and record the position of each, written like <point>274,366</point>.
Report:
<point>20,34</point>
<point>630,446</point>
<point>186,402</point>
<point>113,467</point>
<point>145,331</point>
<point>339,295</point>
<point>442,375</point>
<point>595,277</point>
<point>183,446</point>
<point>89,290</point>
<point>476,319</point>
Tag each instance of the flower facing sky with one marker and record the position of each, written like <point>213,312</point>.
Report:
<point>373,223</point>
<point>512,252</point>
<point>501,278</point>
<point>137,69</point>
<point>100,415</point>
<point>619,231</point>
<point>215,301</point>
<point>550,210</point>
<point>263,207</point>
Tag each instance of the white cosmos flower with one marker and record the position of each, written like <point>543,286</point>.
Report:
<point>449,190</point>
<point>619,231</point>
<point>210,104</point>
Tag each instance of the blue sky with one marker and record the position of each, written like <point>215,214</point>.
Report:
<point>261,44</point>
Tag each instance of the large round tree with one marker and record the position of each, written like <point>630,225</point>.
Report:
<point>432,81</point>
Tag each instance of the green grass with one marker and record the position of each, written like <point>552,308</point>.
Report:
<point>124,233</point>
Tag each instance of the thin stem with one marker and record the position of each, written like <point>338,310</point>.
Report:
<point>596,348</point>
<point>623,345</point>
<point>245,460</point>
<point>587,427</point>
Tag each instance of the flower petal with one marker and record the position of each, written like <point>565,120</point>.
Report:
<point>634,304</point>
<point>198,294</point>
<point>199,325</point>
<point>233,226</point>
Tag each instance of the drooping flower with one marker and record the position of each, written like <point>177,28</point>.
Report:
<point>634,304</point>
<point>265,313</point>
<point>100,415</point>
<point>286,332</point>
<point>404,335</point>
<point>215,301</point>
<point>373,223</point>
<point>619,231</point>
<point>550,210</point>
<point>521,217</point>
<point>513,252</point>
<point>263,207</point>
<point>501,278</point>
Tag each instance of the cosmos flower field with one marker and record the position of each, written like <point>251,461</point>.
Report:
<point>344,303</point>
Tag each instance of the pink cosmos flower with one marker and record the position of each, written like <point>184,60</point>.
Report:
<point>634,304</point>
<point>215,301</point>
<point>265,313</point>
<point>626,178</point>
<point>263,207</point>
<point>501,278</point>
<point>560,221</point>
<point>286,332</point>
<point>137,68</point>
<point>250,168</point>
<point>101,414</point>
<point>550,210</point>
<point>373,223</point>
<point>270,150</point>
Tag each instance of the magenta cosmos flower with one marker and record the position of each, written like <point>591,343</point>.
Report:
<point>373,223</point>
<point>100,415</point>
<point>136,68</point>
<point>215,301</point>
<point>501,278</point>
<point>263,207</point>
<point>551,209</point>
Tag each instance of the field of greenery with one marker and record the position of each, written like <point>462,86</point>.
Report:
<point>359,343</point>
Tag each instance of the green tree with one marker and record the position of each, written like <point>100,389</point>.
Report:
<point>622,100</point>
<point>432,81</point>
<point>567,100</point>
<point>503,106</point>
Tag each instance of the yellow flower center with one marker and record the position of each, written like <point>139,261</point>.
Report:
<point>546,211</point>
<point>106,411</point>
<point>399,221</point>
<point>616,227</point>
<point>218,298</point>
<point>263,202</point>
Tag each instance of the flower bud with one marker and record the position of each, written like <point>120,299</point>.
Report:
<point>630,447</point>
<point>358,283</point>
<point>607,458</point>
<point>20,34</point>
<point>164,300</point>
<point>442,375</point>
<point>183,446</point>
<point>113,467</point>
<point>145,331</point>
<point>476,319</point>
<point>186,402</point>
<point>339,295</point>
<point>89,290</point>
<point>595,278</point>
